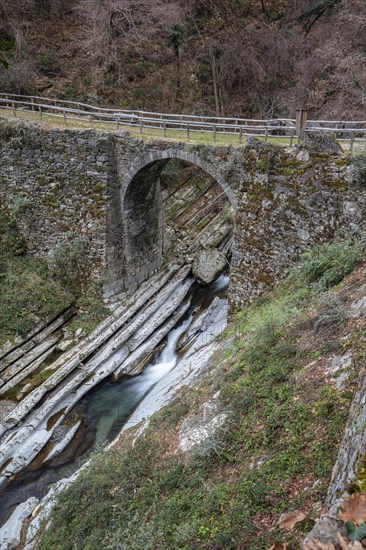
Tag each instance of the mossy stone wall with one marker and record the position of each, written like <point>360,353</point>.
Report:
<point>69,185</point>
<point>56,185</point>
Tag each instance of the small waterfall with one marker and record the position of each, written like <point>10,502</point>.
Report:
<point>113,403</point>
<point>167,359</point>
<point>221,283</point>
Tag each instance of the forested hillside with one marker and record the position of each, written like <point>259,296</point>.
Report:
<point>235,57</point>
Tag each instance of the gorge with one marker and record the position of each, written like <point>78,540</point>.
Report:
<point>141,214</point>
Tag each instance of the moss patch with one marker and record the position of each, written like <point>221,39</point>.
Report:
<point>31,294</point>
<point>28,297</point>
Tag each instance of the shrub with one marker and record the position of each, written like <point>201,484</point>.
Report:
<point>326,265</point>
<point>71,266</point>
<point>20,205</point>
<point>331,315</point>
<point>359,163</point>
<point>28,296</point>
<point>11,241</point>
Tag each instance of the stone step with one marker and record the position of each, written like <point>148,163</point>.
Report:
<point>30,357</point>
<point>27,371</point>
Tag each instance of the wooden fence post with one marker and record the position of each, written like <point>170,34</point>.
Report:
<point>352,142</point>
<point>164,128</point>
<point>65,120</point>
<point>301,121</point>
<point>291,138</point>
<point>214,133</point>
<point>187,130</point>
<point>241,135</point>
<point>40,112</point>
<point>13,105</point>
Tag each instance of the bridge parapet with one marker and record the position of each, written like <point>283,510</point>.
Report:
<point>232,130</point>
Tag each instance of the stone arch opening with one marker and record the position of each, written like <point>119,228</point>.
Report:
<point>146,237</point>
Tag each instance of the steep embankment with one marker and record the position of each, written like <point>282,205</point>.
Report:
<point>244,459</point>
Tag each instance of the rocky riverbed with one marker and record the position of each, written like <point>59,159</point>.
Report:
<point>42,436</point>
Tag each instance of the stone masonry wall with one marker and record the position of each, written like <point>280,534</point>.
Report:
<point>70,185</point>
<point>288,201</point>
<point>56,184</point>
<point>284,201</point>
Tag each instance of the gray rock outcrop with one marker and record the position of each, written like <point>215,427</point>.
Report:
<point>208,264</point>
<point>322,143</point>
<point>10,532</point>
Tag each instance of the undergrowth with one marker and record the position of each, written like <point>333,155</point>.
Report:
<point>284,426</point>
<point>359,163</point>
<point>28,294</point>
<point>28,297</point>
<point>32,293</point>
<point>326,265</point>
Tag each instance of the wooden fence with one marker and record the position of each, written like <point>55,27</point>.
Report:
<point>292,130</point>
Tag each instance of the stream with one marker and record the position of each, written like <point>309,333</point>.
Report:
<point>104,410</point>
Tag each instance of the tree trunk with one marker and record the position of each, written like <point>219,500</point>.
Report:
<point>215,82</point>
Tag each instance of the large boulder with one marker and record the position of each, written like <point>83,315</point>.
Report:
<point>208,264</point>
<point>322,143</point>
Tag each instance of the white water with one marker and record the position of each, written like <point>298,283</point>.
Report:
<point>115,402</point>
<point>168,357</point>
<point>189,365</point>
<point>221,283</point>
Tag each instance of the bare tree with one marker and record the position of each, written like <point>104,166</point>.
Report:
<point>133,23</point>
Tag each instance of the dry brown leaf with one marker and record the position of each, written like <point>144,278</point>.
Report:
<point>289,520</point>
<point>343,544</point>
<point>354,509</point>
<point>317,545</point>
<point>347,545</point>
<point>279,547</point>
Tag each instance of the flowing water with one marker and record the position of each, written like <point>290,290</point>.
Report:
<point>113,402</point>
<point>104,410</point>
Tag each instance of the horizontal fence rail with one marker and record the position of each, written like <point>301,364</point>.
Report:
<point>183,125</point>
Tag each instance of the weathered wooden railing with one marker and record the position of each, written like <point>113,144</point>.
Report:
<point>187,125</point>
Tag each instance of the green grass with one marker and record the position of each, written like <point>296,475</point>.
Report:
<point>32,293</point>
<point>28,296</point>
<point>147,133</point>
<point>275,454</point>
<point>326,265</point>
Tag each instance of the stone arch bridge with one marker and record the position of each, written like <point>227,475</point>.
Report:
<point>102,190</point>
